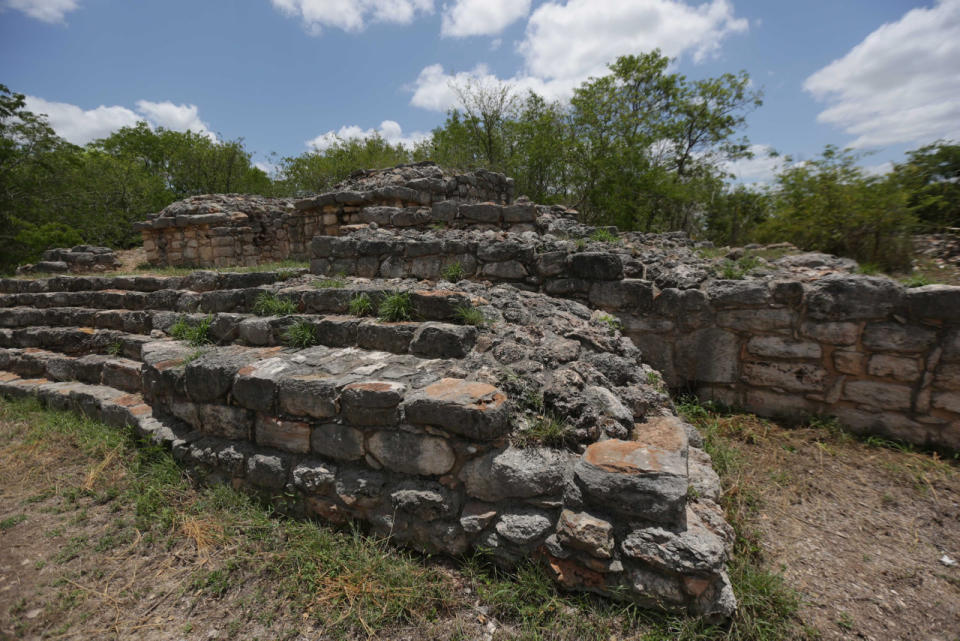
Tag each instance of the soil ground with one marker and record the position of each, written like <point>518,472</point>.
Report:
<point>86,552</point>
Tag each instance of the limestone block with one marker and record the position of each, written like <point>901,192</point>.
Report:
<point>755,320</point>
<point>411,453</point>
<point>372,402</point>
<point>845,297</point>
<point>630,294</point>
<point>725,294</point>
<point>442,340</point>
<point>850,362</point>
<point>778,347</point>
<point>596,266</point>
<point>835,333</point>
<point>314,477</point>
<point>894,337</point>
<point>267,471</point>
<point>708,356</point>
<point>516,473</point>
<point>586,532</point>
<point>796,377</point>
<point>506,270</point>
<point>474,410</point>
<point>949,401</point>
<point>337,441</point>
<point>876,394</point>
<point>934,301</point>
<point>897,367</point>
<point>290,436</point>
<point>255,386</point>
<point>948,377</point>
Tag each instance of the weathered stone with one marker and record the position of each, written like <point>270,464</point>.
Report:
<point>505,270</point>
<point>833,333</point>
<point>412,453</point>
<point>524,526</point>
<point>875,394</point>
<point>933,301</point>
<point>442,340</point>
<point>694,550</point>
<point>337,441</point>
<point>646,481</point>
<point>708,356</point>
<point>372,402</point>
<point>797,377</point>
<point>516,473</point>
<point>778,347</point>
<point>843,297</point>
<point>267,471</point>
<point>314,477</point>
<point>308,395</point>
<point>475,410</point>
<point>291,436</point>
<point>899,368</point>
<point>738,293</point>
<point>752,320</point>
<point>424,500</point>
<point>854,363</point>
<point>476,516</point>
<point>630,294</point>
<point>894,337</point>
<point>586,532</point>
<point>226,421</point>
<point>596,266</point>
<point>255,386</point>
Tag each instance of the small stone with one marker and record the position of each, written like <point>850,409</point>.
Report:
<point>524,526</point>
<point>412,453</point>
<point>586,532</point>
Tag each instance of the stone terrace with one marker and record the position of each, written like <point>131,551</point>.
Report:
<point>430,431</point>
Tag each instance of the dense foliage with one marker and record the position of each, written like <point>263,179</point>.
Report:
<point>640,148</point>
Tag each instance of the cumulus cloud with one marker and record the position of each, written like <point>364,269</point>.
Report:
<point>564,44</point>
<point>351,15</point>
<point>389,130</point>
<point>901,84</point>
<point>481,17</point>
<point>81,126</point>
<point>46,10</point>
<point>177,117</point>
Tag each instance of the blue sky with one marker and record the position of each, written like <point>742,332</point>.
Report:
<point>880,75</point>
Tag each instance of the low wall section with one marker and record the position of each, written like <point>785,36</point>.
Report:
<point>882,358</point>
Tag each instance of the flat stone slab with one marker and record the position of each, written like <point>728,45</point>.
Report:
<point>475,410</point>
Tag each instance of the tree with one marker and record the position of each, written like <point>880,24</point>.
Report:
<point>830,204</point>
<point>319,170</point>
<point>931,176</point>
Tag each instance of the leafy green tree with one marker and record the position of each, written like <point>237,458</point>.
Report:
<point>537,150</point>
<point>317,171</point>
<point>734,215</point>
<point>830,204</point>
<point>931,176</point>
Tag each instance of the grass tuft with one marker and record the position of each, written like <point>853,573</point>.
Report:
<point>395,308</point>
<point>302,335</point>
<point>268,304</point>
<point>361,305</point>
<point>197,333</point>
<point>469,315</point>
<point>454,272</point>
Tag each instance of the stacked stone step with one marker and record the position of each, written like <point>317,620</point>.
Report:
<point>82,258</point>
<point>881,357</point>
<point>416,428</point>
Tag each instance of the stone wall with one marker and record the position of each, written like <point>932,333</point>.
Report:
<point>881,358</point>
<point>234,229</point>
<point>426,430</point>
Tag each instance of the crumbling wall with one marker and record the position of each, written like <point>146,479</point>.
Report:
<point>880,357</point>
<point>234,229</point>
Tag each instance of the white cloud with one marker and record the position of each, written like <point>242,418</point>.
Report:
<point>389,130</point>
<point>80,126</point>
<point>901,84</point>
<point>564,44</point>
<point>351,15</point>
<point>759,169</point>
<point>45,10</point>
<point>177,117</point>
<point>481,17</point>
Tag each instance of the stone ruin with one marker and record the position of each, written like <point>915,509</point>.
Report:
<point>78,260</point>
<point>544,432</point>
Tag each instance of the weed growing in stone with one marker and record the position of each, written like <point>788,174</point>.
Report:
<point>361,305</point>
<point>454,272</point>
<point>612,322</point>
<point>302,335</point>
<point>469,315</point>
<point>604,235</point>
<point>268,304</point>
<point>869,269</point>
<point>115,348</point>
<point>545,429</point>
<point>738,269</point>
<point>581,244</point>
<point>197,333</point>
<point>395,308</point>
<point>916,280</point>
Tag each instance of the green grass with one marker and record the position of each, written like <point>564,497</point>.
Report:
<point>197,333</point>
<point>302,335</point>
<point>115,348</point>
<point>269,304</point>
<point>869,269</point>
<point>332,283</point>
<point>12,521</point>
<point>604,235</point>
<point>545,429</point>
<point>916,280</point>
<point>612,323</point>
<point>469,315</point>
<point>396,307</point>
<point>453,272</point>
<point>361,305</point>
<point>738,269</point>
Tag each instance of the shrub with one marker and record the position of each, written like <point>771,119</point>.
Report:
<point>361,305</point>
<point>268,304</point>
<point>604,235</point>
<point>395,308</point>
<point>301,335</point>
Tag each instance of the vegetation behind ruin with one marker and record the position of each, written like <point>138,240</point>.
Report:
<point>641,148</point>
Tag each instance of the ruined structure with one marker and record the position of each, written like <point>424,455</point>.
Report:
<point>78,260</point>
<point>521,405</point>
